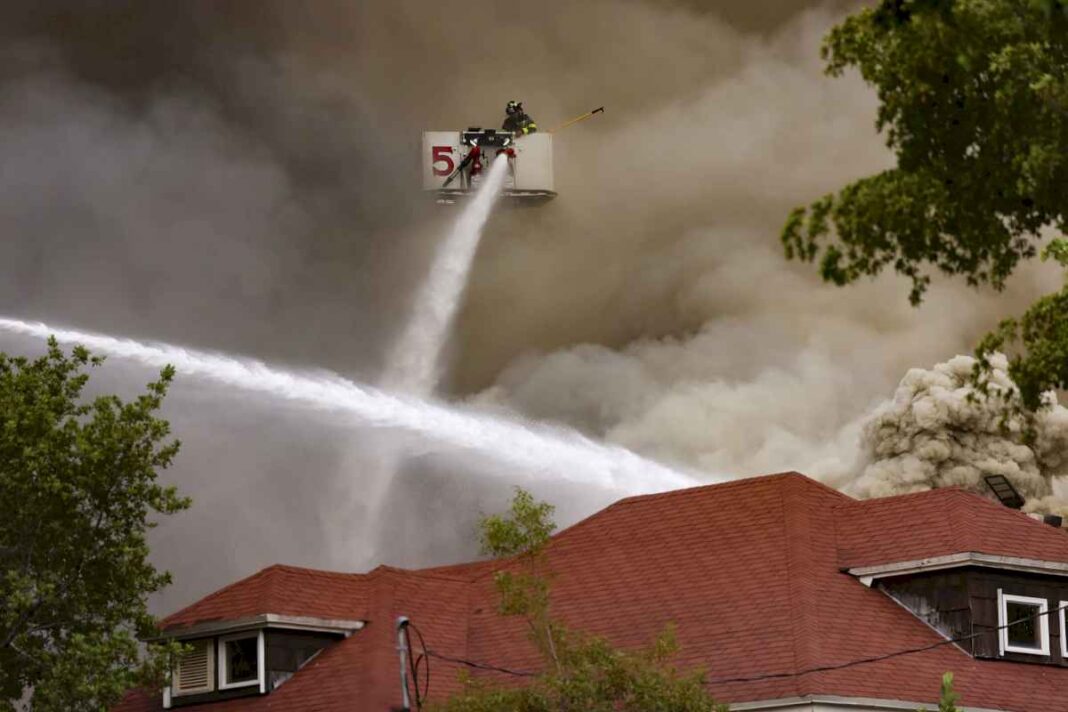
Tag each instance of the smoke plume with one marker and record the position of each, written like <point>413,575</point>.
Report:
<point>938,432</point>
<point>241,176</point>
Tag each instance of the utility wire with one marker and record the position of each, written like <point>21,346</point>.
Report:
<point>754,678</point>
<point>423,691</point>
<point>481,666</point>
<point>413,666</point>
<point>880,658</point>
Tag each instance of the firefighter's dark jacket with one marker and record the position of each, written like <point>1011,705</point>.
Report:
<point>519,123</point>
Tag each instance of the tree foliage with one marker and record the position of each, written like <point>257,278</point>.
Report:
<point>78,485</point>
<point>524,534</point>
<point>973,100</point>
<point>582,672</point>
<point>947,700</point>
<point>1039,339</point>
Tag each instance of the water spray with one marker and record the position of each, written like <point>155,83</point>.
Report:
<point>530,446</point>
<point>414,364</point>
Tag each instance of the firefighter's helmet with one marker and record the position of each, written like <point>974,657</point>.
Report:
<point>514,107</point>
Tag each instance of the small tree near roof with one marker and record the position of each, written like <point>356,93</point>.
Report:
<point>581,671</point>
<point>947,701</point>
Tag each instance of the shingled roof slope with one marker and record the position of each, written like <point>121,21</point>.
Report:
<point>938,523</point>
<point>282,590</point>
<point>750,574</point>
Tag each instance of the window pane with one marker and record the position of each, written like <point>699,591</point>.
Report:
<point>241,660</point>
<point>1024,633</point>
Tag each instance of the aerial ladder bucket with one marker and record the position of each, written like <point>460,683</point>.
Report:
<point>454,161</point>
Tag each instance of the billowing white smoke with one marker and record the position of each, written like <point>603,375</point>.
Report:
<point>931,434</point>
<point>693,400</point>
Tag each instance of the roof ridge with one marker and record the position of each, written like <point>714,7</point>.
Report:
<point>986,502</point>
<point>270,585</point>
<point>382,569</point>
<point>803,531</point>
<point>317,572</point>
<point>474,569</point>
<point>217,593</point>
<point>977,499</point>
<point>790,577</point>
<point>819,484</point>
<point>689,491</point>
<point>739,482</point>
<point>954,531</point>
<point>931,492</point>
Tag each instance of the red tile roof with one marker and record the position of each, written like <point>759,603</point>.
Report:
<point>283,590</point>
<point>750,573</point>
<point>941,522</point>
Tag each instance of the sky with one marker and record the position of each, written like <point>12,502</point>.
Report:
<point>242,177</point>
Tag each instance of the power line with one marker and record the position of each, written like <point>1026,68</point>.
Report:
<point>423,659</point>
<point>753,678</point>
<point>413,666</point>
<point>880,658</point>
<point>481,666</point>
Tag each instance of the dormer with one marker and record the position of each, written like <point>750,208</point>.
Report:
<point>247,656</point>
<point>993,606</point>
<point>993,580</point>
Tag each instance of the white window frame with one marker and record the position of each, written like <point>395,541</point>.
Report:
<point>1064,630</point>
<point>221,656</point>
<point>1043,623</point>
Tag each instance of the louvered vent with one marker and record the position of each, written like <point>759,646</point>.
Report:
<point>196,670</point>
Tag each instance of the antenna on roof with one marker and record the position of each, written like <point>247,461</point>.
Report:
<point>1004,491</point>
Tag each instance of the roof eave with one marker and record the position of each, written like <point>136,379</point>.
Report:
<point>264,620</point>
<point>818,703</point>
<point>868,574</point>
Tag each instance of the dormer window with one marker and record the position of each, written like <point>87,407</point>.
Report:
<point>1064,629</point>
<point>247,657</point>
<point>1023,624</point>
<point>241,660</point>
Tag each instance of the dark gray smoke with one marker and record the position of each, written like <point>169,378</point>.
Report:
<point>241,176</point>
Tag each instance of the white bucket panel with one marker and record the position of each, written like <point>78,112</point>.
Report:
<point>442,153</point>
<point>534,162</point>
<point>532,165</point>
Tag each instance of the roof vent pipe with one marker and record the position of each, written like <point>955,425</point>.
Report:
<point>402,649</point>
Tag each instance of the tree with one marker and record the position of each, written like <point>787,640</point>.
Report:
<point>947,701</point>
<point>974,103</point>
<point>582,672</point>
<point>78,485</point>
<point>1041,364</point>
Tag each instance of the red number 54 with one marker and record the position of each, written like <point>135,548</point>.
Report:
<point>441,154</point>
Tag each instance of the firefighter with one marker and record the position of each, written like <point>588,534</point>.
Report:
<point>518,121</point>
